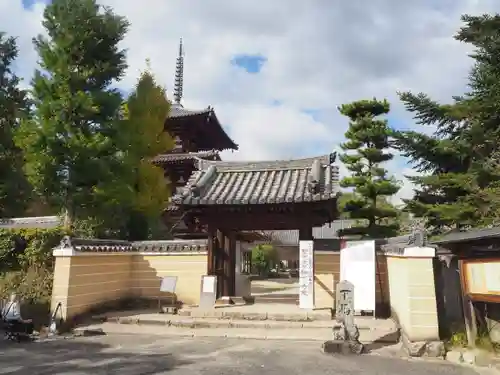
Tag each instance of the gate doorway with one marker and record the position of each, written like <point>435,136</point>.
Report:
<point>233,197</point>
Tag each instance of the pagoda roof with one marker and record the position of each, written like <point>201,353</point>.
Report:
<point>181,157</point>
<point>263,182</point>
<point>211,133</point>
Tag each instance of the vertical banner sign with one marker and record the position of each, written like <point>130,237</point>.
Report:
<point>306,275</point>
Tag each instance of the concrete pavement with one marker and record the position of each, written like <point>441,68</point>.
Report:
<point>148,355</point>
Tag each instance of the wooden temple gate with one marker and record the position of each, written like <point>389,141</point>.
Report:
<point>231,197</point>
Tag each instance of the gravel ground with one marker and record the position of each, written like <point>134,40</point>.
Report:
<point>148,355</point>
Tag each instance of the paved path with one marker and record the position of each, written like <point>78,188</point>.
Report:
<point>276,291</point>
<point>143,355</point>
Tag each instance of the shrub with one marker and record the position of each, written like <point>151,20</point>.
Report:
<point>26,262</point>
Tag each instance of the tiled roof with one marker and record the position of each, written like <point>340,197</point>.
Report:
<point>212,134</point>
<point>184,156</point>
<point>470,235</point>
<point>171,246</point>
<point>114,246</point>
<point>219,182</point>
<point>177,110</point>
<point>41,222</point>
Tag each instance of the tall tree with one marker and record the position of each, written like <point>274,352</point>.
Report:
<point>460,158</point>
<point>14,188</point>
<point>70,144</point>
<point>367,148</point>
<point>147,108</point>
<point>443,159</point>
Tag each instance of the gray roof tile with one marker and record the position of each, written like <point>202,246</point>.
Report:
<point>184,156</point>
<point>470,235</point>
<point>210,124</point>
<point>113,246</point>
<point>177,110</point>
<point>220,183</point>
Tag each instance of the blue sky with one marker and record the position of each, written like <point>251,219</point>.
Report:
<point>29,3</point>
<point>250,63</point>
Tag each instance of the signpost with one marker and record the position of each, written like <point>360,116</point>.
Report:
<point>345,336</point>
<point>306,275</point>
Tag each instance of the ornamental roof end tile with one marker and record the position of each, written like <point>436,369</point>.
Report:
<point>261,182</point>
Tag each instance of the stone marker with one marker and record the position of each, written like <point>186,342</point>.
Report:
<point>346,336</point>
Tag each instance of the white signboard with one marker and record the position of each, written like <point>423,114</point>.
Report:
<point>306,275</point>
<point>357,265</point>
<point>208,284</point>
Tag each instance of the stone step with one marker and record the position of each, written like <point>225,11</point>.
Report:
<point>262,333</point>
<point>247,315</point>
<point>187,322</point>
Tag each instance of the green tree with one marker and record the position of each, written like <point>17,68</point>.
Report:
<point>263,258</point>
<point>443,159</point>
<point>460,158</point>
<point>14,188</point>
<point>368,141</point>
<point>70,144</point>
<point>146,110</point>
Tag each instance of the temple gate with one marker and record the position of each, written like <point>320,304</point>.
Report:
<point>229,197</point>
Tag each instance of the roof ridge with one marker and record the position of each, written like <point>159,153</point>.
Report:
<point>264,165</point>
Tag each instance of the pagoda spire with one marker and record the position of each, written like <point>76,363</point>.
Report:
<point>179,75</point>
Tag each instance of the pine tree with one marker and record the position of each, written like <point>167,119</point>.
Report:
<point>70,144</point>
<point>367,148</point>
<point>460,158</point>
<point>14,188</point>
<point>443,159</point>
<point>147,109</point>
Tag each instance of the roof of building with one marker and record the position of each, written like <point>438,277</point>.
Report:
<point>180,157</point>
<point>264,182</point>
<point>211,134</point>
<point>177,110</point>
<point>41,222</point>
<point>470,235</point>
<point>103,246</point>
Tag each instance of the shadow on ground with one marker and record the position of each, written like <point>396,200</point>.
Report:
<point>388,340</point>
<point>68,356</point>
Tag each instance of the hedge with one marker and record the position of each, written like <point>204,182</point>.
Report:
<point>27,264</point>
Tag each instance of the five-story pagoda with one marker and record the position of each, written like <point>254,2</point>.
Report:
<point>198,134</point>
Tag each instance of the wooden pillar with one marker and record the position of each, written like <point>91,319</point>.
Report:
<point>226,291</point>
<point>211,249</point>
<point>468,307</point>
<point>219,263</point>
<point>232,263</point>
<point>305,233</point>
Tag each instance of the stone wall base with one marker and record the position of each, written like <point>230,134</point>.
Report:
<point>435,349</point>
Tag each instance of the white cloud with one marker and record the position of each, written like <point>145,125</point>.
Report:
<point>320,53</point>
